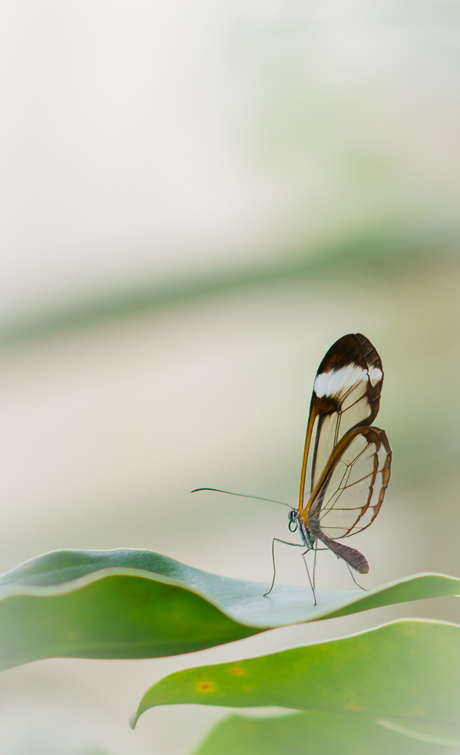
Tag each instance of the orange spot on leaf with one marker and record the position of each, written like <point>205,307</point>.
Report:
<point>352,706</point>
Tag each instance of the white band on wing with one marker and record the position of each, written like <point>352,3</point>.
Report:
<point>330,383</point>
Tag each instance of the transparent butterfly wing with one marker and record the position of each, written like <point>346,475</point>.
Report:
<point>352,487</point>
<point>346,394</point>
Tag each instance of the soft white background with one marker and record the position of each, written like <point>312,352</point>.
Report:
<point>153,143</point>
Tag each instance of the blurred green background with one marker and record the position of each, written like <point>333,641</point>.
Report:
<point>198,199</point>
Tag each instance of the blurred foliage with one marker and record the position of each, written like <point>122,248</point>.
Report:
<point>381,250</point>
<point>316,732</point>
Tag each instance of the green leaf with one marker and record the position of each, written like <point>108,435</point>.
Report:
<point>406,673</point>
<point>323,733</point>
<point>140,604</point>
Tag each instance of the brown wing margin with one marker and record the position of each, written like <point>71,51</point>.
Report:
<point>327,514</point>
<point>344,384</point>
<point>358,470</point>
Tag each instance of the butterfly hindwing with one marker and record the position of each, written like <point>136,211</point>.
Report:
<point>351,490</point>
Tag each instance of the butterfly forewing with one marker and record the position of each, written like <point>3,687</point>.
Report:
<point>350,492</point>
<point>346,394</point>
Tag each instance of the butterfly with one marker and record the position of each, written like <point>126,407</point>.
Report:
<point>346,463</point>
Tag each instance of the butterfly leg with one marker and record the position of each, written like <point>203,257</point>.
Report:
<point>354,580</point>
<point>285,542</point>
<point>315,549</point>
<point>309,578</point>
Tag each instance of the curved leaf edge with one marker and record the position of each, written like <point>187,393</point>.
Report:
<point>340,603</point>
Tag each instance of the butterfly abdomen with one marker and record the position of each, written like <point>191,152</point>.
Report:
<point>353,557</point>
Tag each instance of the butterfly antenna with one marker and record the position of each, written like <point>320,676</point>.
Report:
<point>354,580</point>
<point>241,495</point>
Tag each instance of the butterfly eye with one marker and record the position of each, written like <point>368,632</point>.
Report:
<point>293,522</point>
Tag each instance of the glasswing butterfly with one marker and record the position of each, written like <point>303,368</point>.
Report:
<point>347,461</point>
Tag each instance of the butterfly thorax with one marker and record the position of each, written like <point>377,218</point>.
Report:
<point>297,523</point>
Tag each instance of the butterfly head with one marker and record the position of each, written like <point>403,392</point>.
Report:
<point>297,523</point>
